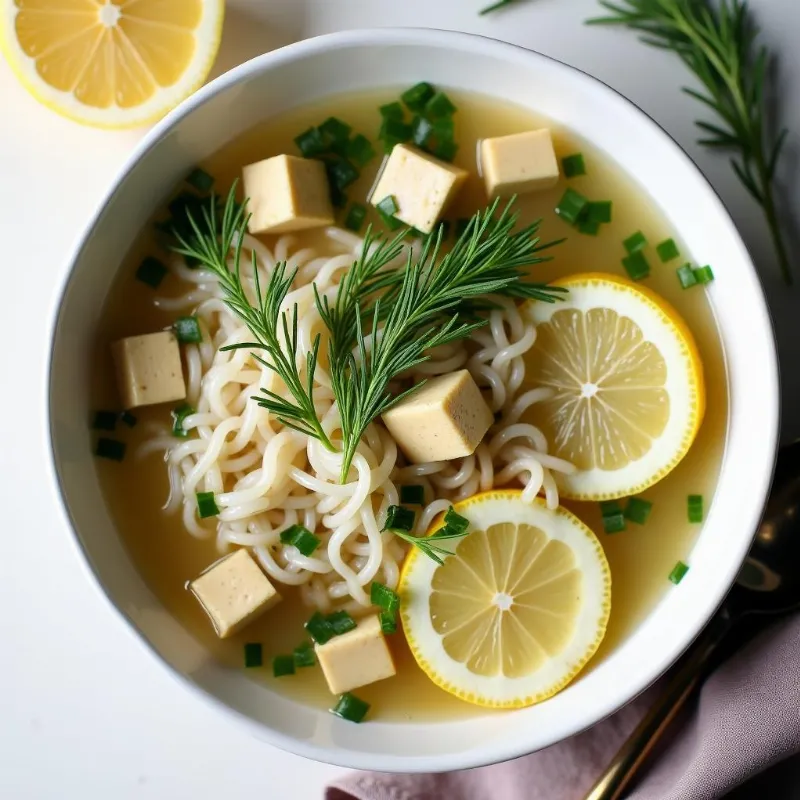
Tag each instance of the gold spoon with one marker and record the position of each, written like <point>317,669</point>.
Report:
<point>768,584</point>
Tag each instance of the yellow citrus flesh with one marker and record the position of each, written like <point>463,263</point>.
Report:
<point>627,386</point>
<point>111,63</point>
<point>516,611</point>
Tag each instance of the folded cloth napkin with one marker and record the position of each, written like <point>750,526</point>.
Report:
<point>745,719</point>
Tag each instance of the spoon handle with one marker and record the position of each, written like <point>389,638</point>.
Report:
<point>639,744</point>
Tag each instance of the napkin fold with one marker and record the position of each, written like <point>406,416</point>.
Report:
<point>745,719</point>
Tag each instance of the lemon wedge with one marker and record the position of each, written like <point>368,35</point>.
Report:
<point>627,380</point>
<point>516,611</point>
<point>111,63</point>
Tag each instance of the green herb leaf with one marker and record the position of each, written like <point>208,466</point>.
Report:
<point>573,165</point>
<point>206,505</point>
<point>350,708</point>
<point>678,572</point>
<point>253,655</point>
<point>282,665</point>
<point>384,597</point>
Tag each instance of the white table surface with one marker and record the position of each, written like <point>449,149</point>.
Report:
<point>84,711</point>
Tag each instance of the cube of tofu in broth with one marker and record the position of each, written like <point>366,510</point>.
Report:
<point>356,658</point>
<point>447,418</point>
<point>287,193</point>
<point>149,369</point>
<point>421,185</point>
<point>233,592</point>
<point>519,163</point>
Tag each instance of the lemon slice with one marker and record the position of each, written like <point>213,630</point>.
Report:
<point>111,63</point>
<point>516,612</point>
<point>627,381</point>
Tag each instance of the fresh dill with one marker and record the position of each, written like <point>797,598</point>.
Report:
<point>717,43</point>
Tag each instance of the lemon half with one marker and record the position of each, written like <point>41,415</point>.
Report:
<point>516,611</point>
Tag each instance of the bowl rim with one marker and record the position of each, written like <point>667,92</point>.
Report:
<point>480,46</point>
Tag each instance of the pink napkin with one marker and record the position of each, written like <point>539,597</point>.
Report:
<point>745,719</point>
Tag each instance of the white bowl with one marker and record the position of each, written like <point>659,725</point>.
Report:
<point>355,60</point>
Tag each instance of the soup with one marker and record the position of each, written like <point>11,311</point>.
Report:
<point>155,504</point>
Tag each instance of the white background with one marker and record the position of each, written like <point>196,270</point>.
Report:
<point>84,711</point>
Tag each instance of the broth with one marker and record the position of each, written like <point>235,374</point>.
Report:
<point>640,557</point>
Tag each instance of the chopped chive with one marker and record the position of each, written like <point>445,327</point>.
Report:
<point>355,217</point>
<point>341,622</point>
<point>667,250</point>
<point>179,414</point>
<point>335,130</point>
<point>704,275</point>
<point>399,519</point>
<point>638,510</point>
<point>417,96</point>
<point>200,179</point>
<point>695,508</point>
<point>341,173</point>
<point>112,449</point>
<point>571,205</point>
<point>128,418</point>
<point>421,131</point>
<point>388,205</point>
<point>438,106</point>
<point>636,265</point>
<point>206,505</point>
<point>573,165</point>
<point>686,276</point>
<point>413,495</point>
<point>613,518</point>
<point>444,150</point>
<point>384,597</point>
<point>444,128</point>
<point>635,242</point>
<point>394,131</point>
<point>392,223</point>
<point>282,665</point>
<point>151,272</point>
<point>392,111</point>
<point>187,330</point>
<point>360,150</point>
<point>304,655</point>
<point>588,226</point>
<point>301,538</point>
<point>253,654</point>
<point>454,522</point>
<point>311,143</point>
<point>462,223</point>
<point>388,621</point>
<point>350,708</point>
<point>338,197</point>
<point>104,421</point>
<point>678,572</point>
<point>598,211</point>
<point>319,629</point>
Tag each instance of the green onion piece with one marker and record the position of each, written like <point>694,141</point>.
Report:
<point>110,448</point>
<point>319,629</point>
<point>635,242</point>
<point>571,205</point>
<point>200,179</point>
<point>636,265</point>
<point>438,106</point>
<point>686,276</point>
<point>588,226</point>
<point>311,143</point>
<point>304,655</point>
<point>638,510</point>
<point>206,505</point>
<point>392,223</point>
<point>573,165</point>
<point>128,418</point>
<point>179,414</point>
<point>421,131</point>
<point>388,621</point>
<point>253,654</point>
<point>667,250</point>
<point>338,197</point>
<point>151,271</point>
<point>384,597</point>
<point>185,207</point>
<point>598,211</point>
<point>355,217</point>
<point>399,519</point>
<point>341,622</point>
<point>678,572</point>
<point>282,665</point>
<point>444,150</point>
<point>462,223</point>
<point>613,518</point>
<point>388,205</point>
<point>335,130</point>
<point>104,421</point>
<point>695,508</point>
<point>392,111</point>
<point>341,173</point>
<point>413,495</point>
<point>454,522</point>
<point>301,538</point>
<point>394,131</point>
<point>704,275</point>
<point>417,96</point>
<point>360,150</point>
<point>350,708</point>
<point>187,330</point>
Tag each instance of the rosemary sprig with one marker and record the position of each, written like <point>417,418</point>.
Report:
<point>718,46</point>
<point>427,544</point>
<point>496,6</point>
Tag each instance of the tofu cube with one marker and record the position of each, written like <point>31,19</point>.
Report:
<point>233,592</point>
<point>446,418</point>
<point>421,185</point>
<point>287,193</point>
<point>519,163</point>
<point>149,369</point>
<point>356,658</point>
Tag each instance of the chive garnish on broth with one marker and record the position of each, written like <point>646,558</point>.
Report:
<point>635,242</point>
<point>253,655</point>
<point>282,666</point>
<point>319,629</point>
<point>104,420</point>
<point>151,272</point>
<point>599,211</point>
<point>200,180</point>
<point>179,414</point>
<point>573,165</point>
<point>206,505</point>
<point>128,419</point>
<point>360,150</point>
<point>304,655</point>
<point>667,250</point>
<point>703,275</point>
<point>412,495</point>
<point>187,330</point>
<point>356,215</point>
<point>341,622</point>
<point>350,708</point>
<point>388,205</point>
<point>311,143</point>
<point>388,620</point>
<point>417,96</point>
<point>613,518</point>
<point>300,537</point>
<point>394,131</point>
<point>695,508</point>
<point>638,510</point>
<point>382,596</point>
<point>392,111</point>
<point>686,276</point>
<point>678,572</point>
<point>588,226</point>
<point>399,519</point>
<point>454,523</point>
<point>571,205</point>
<point>636,265</point>
<point>440,105</point>
<point>335,131</point>
<point>112,449</point>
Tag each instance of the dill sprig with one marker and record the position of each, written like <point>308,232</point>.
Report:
<point>718,46</point>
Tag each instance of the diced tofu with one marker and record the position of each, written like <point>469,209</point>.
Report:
<point>149,369</point>
<point>287,193</point>
<point>421,185</point>
<point>356,658</point>
<point>233,592</point>
<point>446,418</point>
<point>519,163</point>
